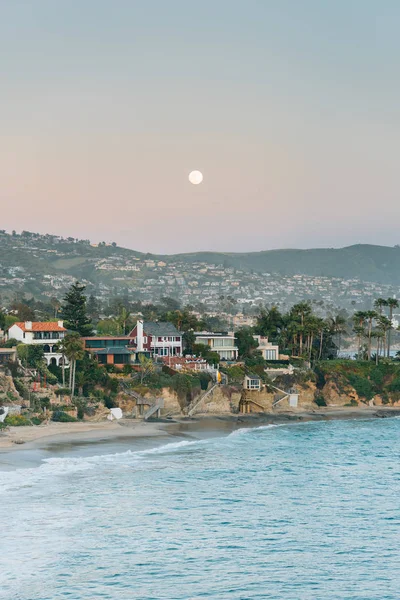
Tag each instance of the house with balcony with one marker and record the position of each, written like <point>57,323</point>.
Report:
<point>268,350</point>
<point>46,334</point>
<point>221,343</point>
<point>157,337</point>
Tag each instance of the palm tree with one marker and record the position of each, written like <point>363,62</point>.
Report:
<point>61,348</point>
<point>359,318</point>
<point>338,325</point>
<point>370,315</point>
<point>378,334</point>
<point>392,303</point>
<point>74,350</point>
<point>122,319</point>
<point>384,325</point>
<point>379,304</point>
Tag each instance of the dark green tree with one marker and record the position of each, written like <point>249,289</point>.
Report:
<point>93,308</point>
<point>245,342</point>
<point>74,310</point>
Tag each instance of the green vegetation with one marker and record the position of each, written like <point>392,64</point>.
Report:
<point>16,421</point>
<point>74,311</point>
<point>60,416</point>
<point>367,378</point>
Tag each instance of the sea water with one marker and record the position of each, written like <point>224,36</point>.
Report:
<point>308,511</point>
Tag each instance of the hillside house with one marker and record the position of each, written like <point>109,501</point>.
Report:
<point>159,338</point>
<point>221,343</point>
<point>46,334</point>
<point>268,350</point>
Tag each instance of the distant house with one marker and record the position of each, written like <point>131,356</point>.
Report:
<point>268,350</point>
<point>221,343</point>
<point>45,334</point>
<point>158,337</point>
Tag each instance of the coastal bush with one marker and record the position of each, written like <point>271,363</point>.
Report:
<point>363,386</point>
<point>16,421</point>
<point>37,420</point>
<point>62,417</point>
<point>320,400</point>
<point>62,392</point>
<point>109,402</point>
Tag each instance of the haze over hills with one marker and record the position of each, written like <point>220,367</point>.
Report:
<point>47,264</point>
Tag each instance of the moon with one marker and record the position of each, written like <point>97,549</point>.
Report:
<point>195,177</point>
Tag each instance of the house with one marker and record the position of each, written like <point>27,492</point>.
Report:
<point>45,334</point>
<point>221,343</point>
<point>268,350</point>
<point>100,342</point>
<point>158,337</point>
<point>115,356</point>
<point>7,355</point>
<point>252,382</point>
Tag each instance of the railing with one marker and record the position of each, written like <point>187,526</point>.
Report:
<point>193,405</point>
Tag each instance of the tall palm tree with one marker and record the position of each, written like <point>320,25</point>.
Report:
<point>61,349</point>
<point>384,325</point>
<point>122,319</point>
<point>359,319</point>
<point>74,350</point>
<point>338,326</point>
<point>370,315</point>
<point>379,304</point>
<point>392,303</point>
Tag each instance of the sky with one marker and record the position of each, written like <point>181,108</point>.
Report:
<point>290,108</point>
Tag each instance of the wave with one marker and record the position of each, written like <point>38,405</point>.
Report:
<point>61,466</point>
<point>248,430</point>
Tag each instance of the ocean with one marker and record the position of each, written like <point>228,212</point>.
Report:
<point>286,512</point>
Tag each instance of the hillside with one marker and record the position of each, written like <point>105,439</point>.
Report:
<point>44,265</point>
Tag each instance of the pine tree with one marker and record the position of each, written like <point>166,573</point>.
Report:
<point>74,310</point>
<point>93,308</point>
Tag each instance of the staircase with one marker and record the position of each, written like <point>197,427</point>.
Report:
<point>154,408</point>
<point>193,405</point>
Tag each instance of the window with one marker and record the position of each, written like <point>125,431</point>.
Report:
<point>162,352</point>
<point>270,354</point>
<point>253,384</point>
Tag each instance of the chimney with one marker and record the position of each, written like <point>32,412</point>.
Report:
<point>61,323</point>
<point>139,336</point>
<point>28,325</point>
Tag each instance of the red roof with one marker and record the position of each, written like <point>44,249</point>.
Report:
<point>41,326</point>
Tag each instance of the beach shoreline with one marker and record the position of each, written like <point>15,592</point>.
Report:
<point>47,436</point>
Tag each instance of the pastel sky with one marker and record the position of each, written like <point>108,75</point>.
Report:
<point>290,108</point>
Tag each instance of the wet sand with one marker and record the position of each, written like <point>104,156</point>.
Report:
<point>28,446</point>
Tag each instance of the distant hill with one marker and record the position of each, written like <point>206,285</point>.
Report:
<point>47,264</point>
<point>380,264</point>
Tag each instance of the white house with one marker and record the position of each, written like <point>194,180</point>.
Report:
<point>222,343</point>
<point>268,350</point>
<point>46,334</point>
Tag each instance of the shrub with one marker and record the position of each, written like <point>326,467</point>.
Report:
<point>320,400</point>
<point>62,417</point>
<point>363,387</point>
<point>37,420</point>
<point>16,421</point>
<point>127,369</point>
<point>62,392</point>
<point>109,402</point>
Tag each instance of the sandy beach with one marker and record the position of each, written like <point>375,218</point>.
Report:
<point>69,434</point>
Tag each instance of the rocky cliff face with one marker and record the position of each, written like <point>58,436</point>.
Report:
<point>335,397</point>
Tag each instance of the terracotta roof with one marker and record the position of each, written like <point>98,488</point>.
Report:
<point>41,326</point>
